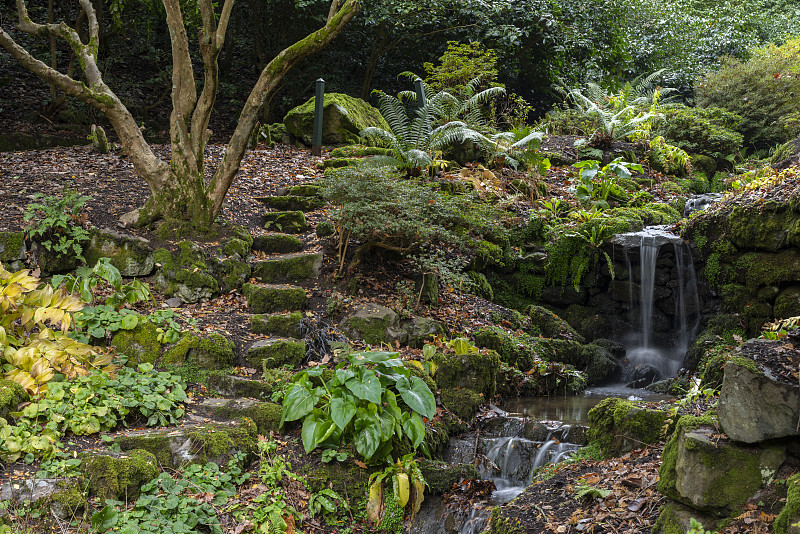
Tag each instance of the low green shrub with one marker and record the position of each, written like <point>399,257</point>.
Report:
<point>711,131</point>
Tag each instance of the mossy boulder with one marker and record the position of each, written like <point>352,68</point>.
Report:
<point>675,518</point>
<point>790,515</point>
<point>551,325</point>
<point>462,402</point>
<point>212,352</point>
<point>787,303</point>
<point>374,324</point>
<point>343,478</point>
<point>275,352</point>
<point>475,371</point>
<point>140,345</point>
<point>754,406</point>
<point>239,386</point>
<point>718,476</point>
<point>289,222</point>
<point>421,330</point>
<point>216,442</point>
<point>11,395</point>
<point>118,476</point>
<point>292,202</point>
<point>67,502</point>
<point>441,476</point>
<point>619,426</point>
<point>293,267</point>
<point>343,118</point>
<point>132,255</point>
<point>278,324</point>
<point>270,298</point>
<point>276,242</point>
<point>12,250</point>
<point>265,415</point>
<point>231,272</point>
<point>185,273</point>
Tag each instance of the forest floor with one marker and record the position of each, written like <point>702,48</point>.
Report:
<point>632,504</point>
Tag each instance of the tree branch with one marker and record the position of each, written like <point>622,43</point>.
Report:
<point>267,81</point>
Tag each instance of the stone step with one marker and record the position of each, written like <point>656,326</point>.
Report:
<point>266,415</point>
<point>233,386</point>
<point>278,324</point>
<point>302,190</point>
<point>275,352</point>
<point>277,243</point>
<point>270,298</point>
<point>294,267</point>
<point>192,443</point>
<point>289,222</point>
<point>292,202</point>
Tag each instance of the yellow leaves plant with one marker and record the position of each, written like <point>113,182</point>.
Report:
<point>33,352</point>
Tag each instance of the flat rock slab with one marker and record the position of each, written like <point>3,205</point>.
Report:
<point>278,243</point>
<point>294,267</point>
<point>191,443</point>
<point>292,202</point>
<point>289,222</point>
<point>270,298</point>
<point>278,324</point>
<point>266,415</point>
<point>30,489</point>
<point>757,402</point>
<point>276,352</point>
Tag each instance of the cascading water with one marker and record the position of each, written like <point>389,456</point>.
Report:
<point>651,360</point>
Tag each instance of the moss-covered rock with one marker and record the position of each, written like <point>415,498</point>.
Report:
<point>790,515</point>
<point>292,202</point>
<point>708,474</point>
<point>217,442</point>
<point>293,267</point>
<point>266,415</point>
<point>787,303</point>
<point>11,395</point>
<point>344,478</point>
<point>620,426</point>
<point>232,272</point>
<point>500,524</point>
<point>753,405</point>
<point>440,476</point>
<point>343,118</point>
<point>132,255</point>
<point>476,371</point>
<point>480,285</point>
<point>118,476</point>
<point>277,243</point>
<point>374,324</point>
<point>275,352</point>
<point>212,352</point>
<point>289,222</point>
<point>140,345</point>
<point>462,402</point>
<point>238,386</point>
<point>551,325</point>
<point>67,502</point>
<point>185,273</point>
<point>12,250</point>
<point>278,324</point>
<point>675,518</point>
<point>270,298</point>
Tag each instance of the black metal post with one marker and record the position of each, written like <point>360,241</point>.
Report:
<point>319,102</point>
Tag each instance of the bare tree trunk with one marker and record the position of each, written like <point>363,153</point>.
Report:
<point>177,189</point>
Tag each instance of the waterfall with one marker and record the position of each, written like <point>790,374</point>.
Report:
<point>651,359</point>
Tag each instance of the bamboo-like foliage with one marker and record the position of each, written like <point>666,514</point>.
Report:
<point>32,351</point>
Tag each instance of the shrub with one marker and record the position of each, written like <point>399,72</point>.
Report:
<point>710,131</point>
<point>375,206</point>
<point>764,90</point>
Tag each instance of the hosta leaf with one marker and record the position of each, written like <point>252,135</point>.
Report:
<point>414,428</point>
<point>299,401</point>
<point>367,435</point>
<point>367,388</point>
<point>309,431</point>
<point>417,396</point>
<point>343,408</point>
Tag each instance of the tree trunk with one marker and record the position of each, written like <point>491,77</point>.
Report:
<point>177,189</point>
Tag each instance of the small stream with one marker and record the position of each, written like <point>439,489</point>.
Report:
<point>526,434</point>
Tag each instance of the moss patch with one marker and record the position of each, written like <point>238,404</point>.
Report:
<point>293,202</point>
<point>289,222</point>
<point>140,345</point>
<point>11,395</point>
<point>212,352</point>
<point>462,402</point>
<point>791,511</point>
<point>119,477</point>
<point>265,415</point>
<point>619,426</point>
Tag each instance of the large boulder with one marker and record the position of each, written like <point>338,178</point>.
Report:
<point>619,426</point>
<point>704,470</point>
<point>343,119</point>
<point>132,255</point>
<point>375,324</point>
<point>757,402</point>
